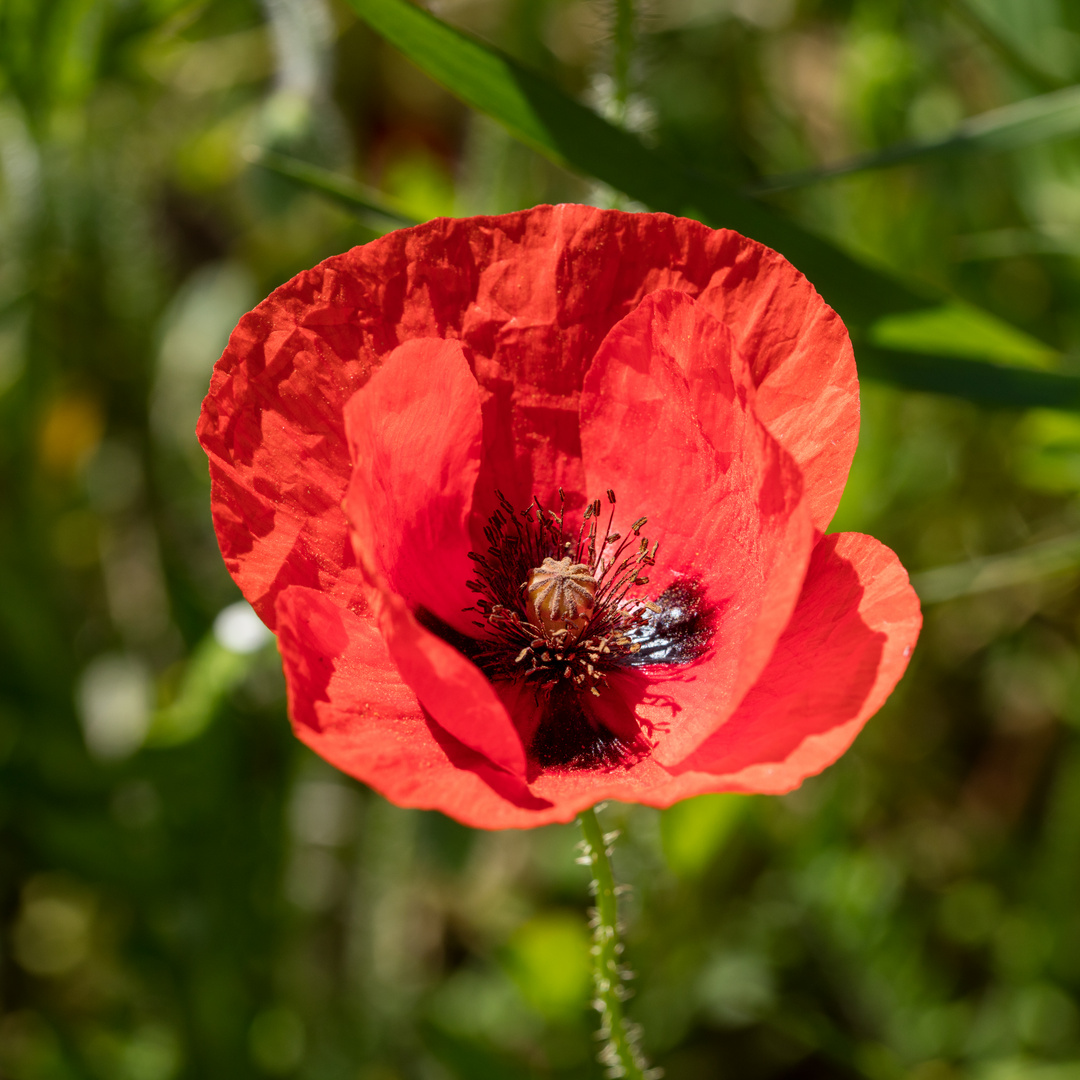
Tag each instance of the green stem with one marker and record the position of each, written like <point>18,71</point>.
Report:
<point>623,33</point>
<point>621,1053</point>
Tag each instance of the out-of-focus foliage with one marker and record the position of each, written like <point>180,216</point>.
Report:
<point>186,892</point>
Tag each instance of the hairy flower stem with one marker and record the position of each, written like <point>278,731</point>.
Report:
<point>621,1053</point>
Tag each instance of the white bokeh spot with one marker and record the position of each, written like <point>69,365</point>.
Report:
<point>238,629</point>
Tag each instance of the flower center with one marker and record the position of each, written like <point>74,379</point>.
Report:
<point>561,613</point>
<point>549,619</point>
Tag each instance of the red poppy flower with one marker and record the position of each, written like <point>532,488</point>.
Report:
<point>536,503</point>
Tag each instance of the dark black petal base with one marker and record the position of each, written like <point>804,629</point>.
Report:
<point>680,632</point>
<point>570,737</point>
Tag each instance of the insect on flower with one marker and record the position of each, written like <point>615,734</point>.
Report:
<point>536,506</point>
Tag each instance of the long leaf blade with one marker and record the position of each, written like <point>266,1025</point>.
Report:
<point>341,189</point>
<point>976,380</point>
<point>1023,123</point>
<point>1023,566</point>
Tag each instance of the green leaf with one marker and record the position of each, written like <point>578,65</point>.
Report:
<point>541,115</point>
<point>959,329</point>
<point>1033,120</point>
<point>1010,52</point>
<point>694,830</point>
<point>548,958</point>
<point>381,212</point>
<point>623,42</point>
<point>976,380</point>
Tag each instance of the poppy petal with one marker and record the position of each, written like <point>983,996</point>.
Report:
<point>802,363</point>
<point>844,650</point>
<point>414,433</point>
<point>450,687</point>
<point>272,428</point>
<point>349,704</point>
<point>727,503</point>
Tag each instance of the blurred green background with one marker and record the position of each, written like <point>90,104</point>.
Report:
<point>186,892</point>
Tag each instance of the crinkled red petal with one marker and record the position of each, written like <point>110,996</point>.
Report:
<point>349,703</point>
<point>723,497</point>
<point>414,434</point>
<point>532,294</point>
<point>450,687</point>
<point>845,648</point>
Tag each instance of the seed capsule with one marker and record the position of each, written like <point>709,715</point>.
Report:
<point>560,596</point>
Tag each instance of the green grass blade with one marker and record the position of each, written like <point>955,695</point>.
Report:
<point>1033,120</point>
<point>1033,563</point>
<point>539,114</point>
<point>341,189</point>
